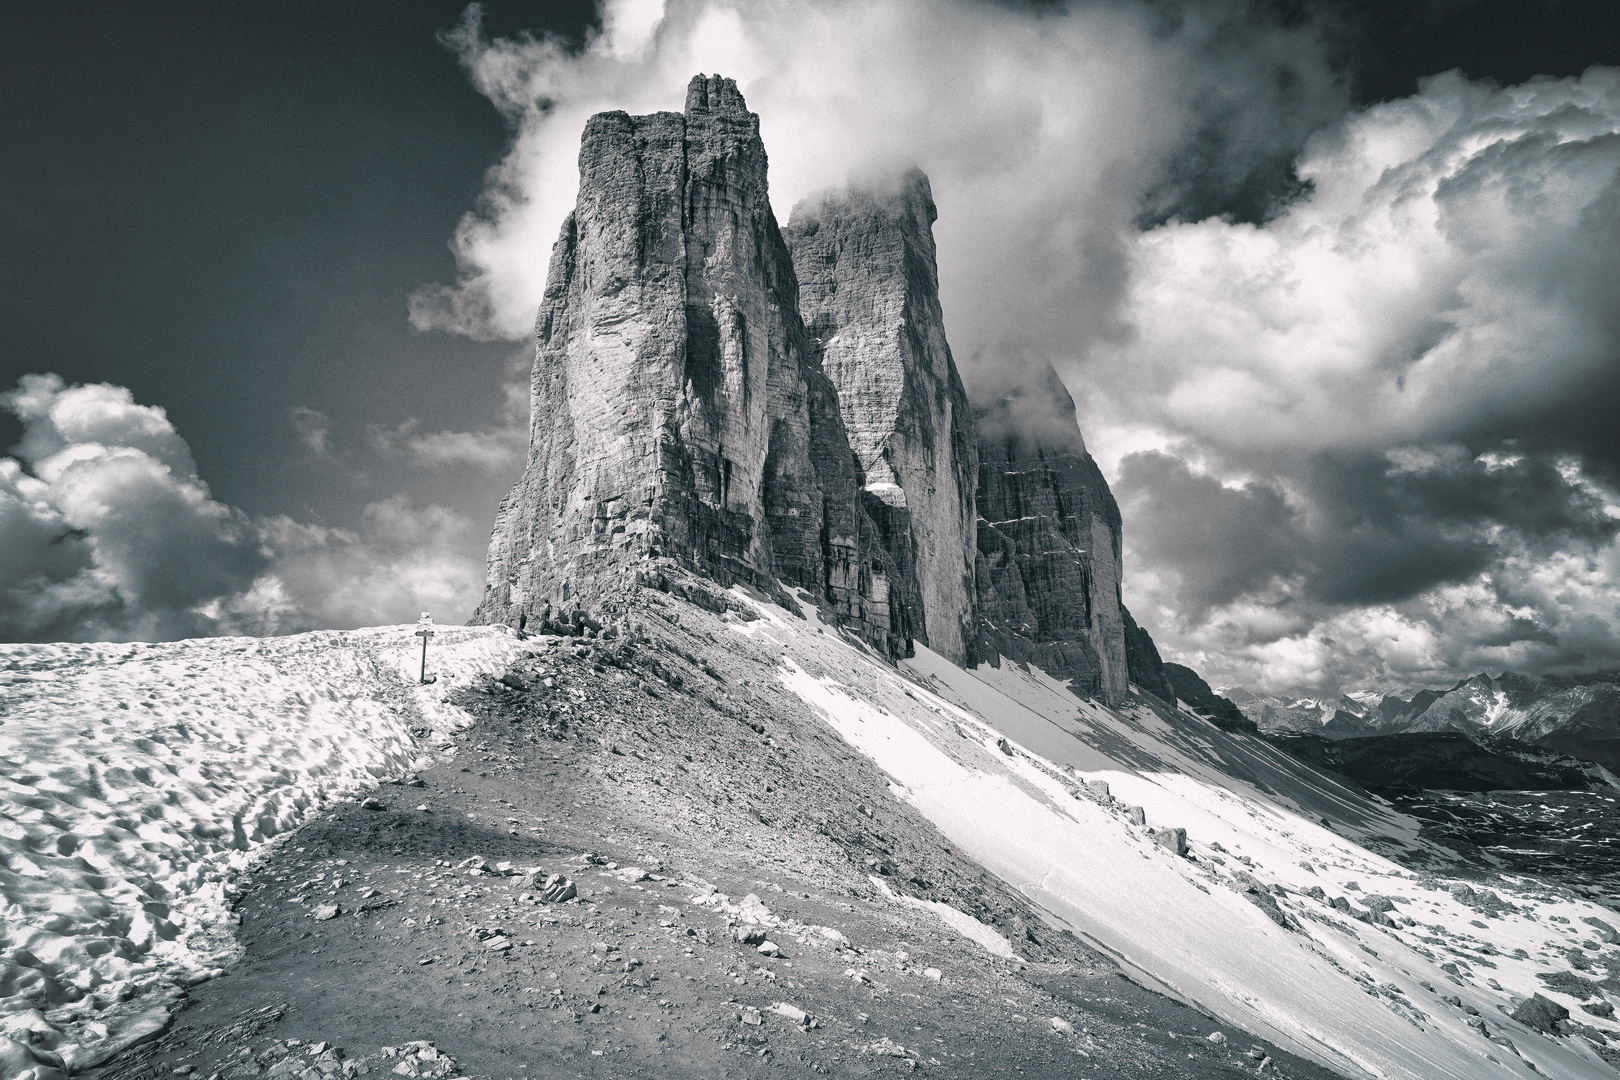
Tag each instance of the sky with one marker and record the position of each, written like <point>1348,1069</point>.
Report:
<point>1336,288</point>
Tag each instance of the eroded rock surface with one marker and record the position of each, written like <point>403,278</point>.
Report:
<point>869,295</point>
<point>1048,568</point>
<point>676,411</point>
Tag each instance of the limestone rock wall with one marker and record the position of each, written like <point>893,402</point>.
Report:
<point>1048,569</point>
<point>869,296</point>
<point>676,410</point>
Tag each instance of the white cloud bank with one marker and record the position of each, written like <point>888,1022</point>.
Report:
<point>108,533</point>
<point>1400,390</point>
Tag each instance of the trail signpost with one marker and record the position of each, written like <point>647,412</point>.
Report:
<point>424,630</point>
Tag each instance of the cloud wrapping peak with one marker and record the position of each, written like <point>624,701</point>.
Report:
<point>1041,135</point>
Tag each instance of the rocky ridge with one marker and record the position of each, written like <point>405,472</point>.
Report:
<point>1577,715</point>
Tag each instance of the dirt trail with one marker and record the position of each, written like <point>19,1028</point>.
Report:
<point>717,813</point>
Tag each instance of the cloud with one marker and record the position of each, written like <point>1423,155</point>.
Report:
<point>502,446</point>
<point>1417,359</point>
<point>108,533</point>
<point>1041,136</point>
<point>402,560</point>
<point>1223,542</point>
<point>314,430</point>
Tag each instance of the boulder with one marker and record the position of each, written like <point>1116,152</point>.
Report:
<point>1541,1013</point>
<point>557,888</point>
<point>1172,840</point>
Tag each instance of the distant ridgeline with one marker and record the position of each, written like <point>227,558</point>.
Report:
<point>1574,715</point>
<point>716,396</point>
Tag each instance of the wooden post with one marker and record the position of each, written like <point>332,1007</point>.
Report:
<point>424,630</point>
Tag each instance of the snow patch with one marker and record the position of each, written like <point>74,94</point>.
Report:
<point>136,779</point>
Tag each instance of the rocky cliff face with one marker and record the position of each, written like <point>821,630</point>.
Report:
<point>703,398</point>
<point>676,410</point>
<point>869,295</point>
<point>1048,566</point>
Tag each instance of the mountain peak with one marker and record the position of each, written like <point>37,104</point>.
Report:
<point>714,93</point>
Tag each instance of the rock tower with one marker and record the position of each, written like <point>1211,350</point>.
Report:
<point>784,411</point>
<point>1049,564</point>
<point>676,409</point>
<point>869,294</point>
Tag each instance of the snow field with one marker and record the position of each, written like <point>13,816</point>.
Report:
<point>1347,994</point>
<point>136,778</point>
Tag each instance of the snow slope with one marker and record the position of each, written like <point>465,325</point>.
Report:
<point>134,778</point>
<point>1345,993</point>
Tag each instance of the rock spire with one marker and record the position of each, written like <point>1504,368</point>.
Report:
<point>869,294</point>
<point>1049,560</point>
<point>712,396</point>
<point>676,410</point>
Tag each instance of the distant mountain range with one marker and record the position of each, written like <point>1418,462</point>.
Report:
<point>1578,715</point>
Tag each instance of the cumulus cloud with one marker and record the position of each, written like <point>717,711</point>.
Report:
<point>108,533</point>
<point>1041,134</point>
<point>1399,389</point>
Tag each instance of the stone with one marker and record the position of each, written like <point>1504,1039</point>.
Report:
<point>557,889</point>
<point>681,421</point>
<point>751,1017</point>
<point>1257,894</point>
<point>1172,840</point>
<point>1047,575</point>
<point>372,804</point>
<point>1540,1013</point>
<point>1217,1037</point>
<point>869,296</point>
<point>1098,789</point>
<point>1567,982</point>
<point>1062,1026</point>
<point>933,974</point>
<point>323,912</point>
<point>1598,1008</point>
<point>791,1012</point>
<point>1136,815</point>
<point>768,948</point>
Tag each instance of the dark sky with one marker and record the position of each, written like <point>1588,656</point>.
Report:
<point>225,208</point>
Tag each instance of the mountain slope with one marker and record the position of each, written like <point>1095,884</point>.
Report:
<point>1088,868</point>
<point>992,770</point>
